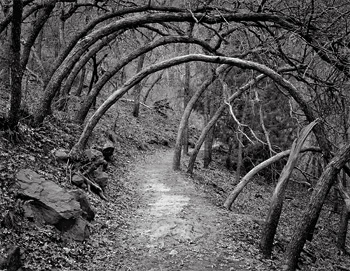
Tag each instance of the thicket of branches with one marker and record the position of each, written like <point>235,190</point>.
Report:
<point>257,71</point>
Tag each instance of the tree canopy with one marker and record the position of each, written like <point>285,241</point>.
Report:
<point>256,71</point>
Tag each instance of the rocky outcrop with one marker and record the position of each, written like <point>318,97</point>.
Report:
<point>47,202</point>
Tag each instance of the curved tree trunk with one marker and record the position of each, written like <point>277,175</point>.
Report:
<point>43,109</point>
<point>274,213</point>
<point>87,29</point>
<point>82,62</point>
<point>184,121</point>
<point>81,82</point>
<point>38,24</point>
<point>82,113</point>
<point>202,137</point>
<point>245,64</point>
<point>246,179</point>
<point>215,118</point>
<point>312,211</point>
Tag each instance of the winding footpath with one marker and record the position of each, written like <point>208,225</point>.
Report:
<point>175,226</point>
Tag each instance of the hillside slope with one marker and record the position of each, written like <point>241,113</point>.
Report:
<point>155,219</point>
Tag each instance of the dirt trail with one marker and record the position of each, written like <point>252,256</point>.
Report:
<point>175,227</point>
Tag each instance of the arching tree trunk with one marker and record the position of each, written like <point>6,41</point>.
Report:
<point>184,120</point>
<point>215,118</point>
<point>274,213</point>
<point>67,85</point>
<point>312,211</point>
<point>38,24</point>
<point>81,82</point>
<point>82,113</point>
<point>171,62</point>
<point>246,179</point>
<point>43,109</point>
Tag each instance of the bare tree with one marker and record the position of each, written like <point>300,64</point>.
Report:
<point>16,68</point>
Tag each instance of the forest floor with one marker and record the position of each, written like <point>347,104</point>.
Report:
<point>175,227</point>
<point>155,218</point>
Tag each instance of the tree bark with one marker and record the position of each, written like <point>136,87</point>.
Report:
<point>274,213</point>
<point>344,216</point>
<point>81,82</point>
<point>82,113</point>
<point>82,62</point>
<point>245,64</point>
<point>151,87</point>
<point>184,121</point>
<point>38,24</point>
<point>246,179</point>
<point>208,143</point>
<point>43,109</point>
<point>240,143</point>
<point>138,88</point>
<point>312,211</point>
<point>16,69</point>
<point>215,118</point>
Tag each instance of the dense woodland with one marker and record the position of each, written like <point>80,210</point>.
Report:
<point>265,82</point>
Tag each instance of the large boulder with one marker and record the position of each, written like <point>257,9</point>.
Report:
<point>46,202</point>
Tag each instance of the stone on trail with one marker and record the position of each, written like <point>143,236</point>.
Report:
<point>78,180</point>
<point>62,154</point>
<point>47,202</point>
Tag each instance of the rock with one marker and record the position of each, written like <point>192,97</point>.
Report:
<point>93,154</point>
<point>62,154</point>
<point>9,220</point>
<point>13,260</point>
<point>78,180</point>
<point>79,232</point>
<point>46,201</point>
<point>88,212</point>
<point>108,149</point>
<point>164,142</point>
<point>101,178</point>
<point>143,147</point>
